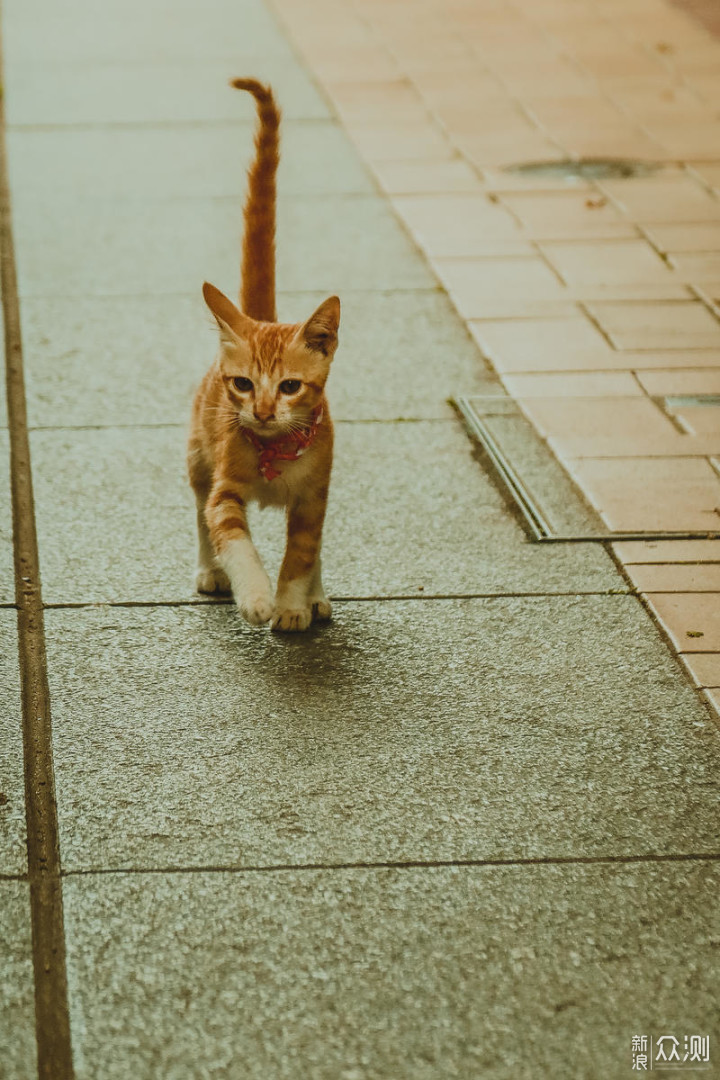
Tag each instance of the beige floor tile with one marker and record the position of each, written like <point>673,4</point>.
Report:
<point>676,577</point>
<point>573,385</point>
<point>632,494</point>
<point>368,63</point>
<point>653,102</point>
<point>558,77</point>
<point>461,225</point>
<point>679,360</point>
<point>692,236</point>
<point>701,420</point>
<point>488,119</point>
<point>666,551</point>
<point>707,171</point>
<point>674,445</point>
<point>591,417</point>
<point>401,143</point>
<point>664,199</point>
<point>704,669</point>
<point>629,143</point>
<point>671,289</point>
<point>607,262</point>
<point>499,180</point>
<point>641,326</point>
<point>570,113</point>
<point>689,381</point>
<point>567,215</point>
<point>500,287</point>
<point>503,150</point>
<point>712,697</point>
<point>700,267</point>
<point>692,620</point>
<point>701,141</point>
<point>427,176</point>
<point>361,101</point>
<point>444,87</point>
<point>572,344</point>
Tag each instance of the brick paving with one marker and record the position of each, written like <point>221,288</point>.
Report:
<point>593,300</point>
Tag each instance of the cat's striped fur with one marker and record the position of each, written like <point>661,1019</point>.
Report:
<point>267,383</point>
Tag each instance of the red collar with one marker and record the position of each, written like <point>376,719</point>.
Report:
<point>287,447</point>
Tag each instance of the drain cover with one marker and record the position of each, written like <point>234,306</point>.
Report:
<point>547,499</point>
<point>586,169</point>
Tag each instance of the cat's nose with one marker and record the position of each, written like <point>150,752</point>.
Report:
<point>263,415</point>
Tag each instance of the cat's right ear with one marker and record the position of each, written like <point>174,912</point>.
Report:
<point>231,321</point>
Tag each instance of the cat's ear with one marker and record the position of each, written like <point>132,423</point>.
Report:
<point>231,321</point>
<point>320,332</point>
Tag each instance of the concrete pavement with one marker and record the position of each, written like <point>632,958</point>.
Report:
<point>469,829</point>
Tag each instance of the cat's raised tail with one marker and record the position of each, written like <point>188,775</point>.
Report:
<point>257,295</point>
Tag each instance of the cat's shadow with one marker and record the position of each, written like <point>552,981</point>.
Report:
<point>330,664</point>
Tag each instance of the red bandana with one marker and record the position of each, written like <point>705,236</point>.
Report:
<point>288,447</point>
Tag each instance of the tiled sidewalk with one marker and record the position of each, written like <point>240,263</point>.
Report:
<point>596,302</point>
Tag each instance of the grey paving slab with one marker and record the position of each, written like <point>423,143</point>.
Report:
<point>402,354</point>
<point>411,511</point>
<point>18,1057</point>
<point>495,728</point>
<point>13,857</point>
<point>140,248</point>
<point>415,974</point>
<point>135,32</point>
<point>191,161</point>
<point>151,93</point>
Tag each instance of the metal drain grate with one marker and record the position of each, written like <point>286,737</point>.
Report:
<point>547,499</point>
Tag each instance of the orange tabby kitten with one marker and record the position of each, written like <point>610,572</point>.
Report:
<point>261,428</point>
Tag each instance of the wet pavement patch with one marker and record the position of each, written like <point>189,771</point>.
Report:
<point>586,169</point>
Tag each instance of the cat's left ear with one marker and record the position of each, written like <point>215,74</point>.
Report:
<point>320,332</point>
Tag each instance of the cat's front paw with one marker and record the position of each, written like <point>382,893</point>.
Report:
<point>292,620</point>
<point>257,609</point>
<point>211,579</point>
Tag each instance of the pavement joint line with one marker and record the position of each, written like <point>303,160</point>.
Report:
<point>72,605</point>
<point>411,290</point>
<point>151,125</point>
<point>407,864</point>
<point>182,427</point>
<point>52,1019</point>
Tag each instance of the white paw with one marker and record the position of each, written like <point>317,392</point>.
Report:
<point>321,608</point>
<point>211,579</point>
<point>292,620</point>
<point>257,609</point>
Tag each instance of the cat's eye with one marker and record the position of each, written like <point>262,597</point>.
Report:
<point>242,384</point>
<point>290,386</point>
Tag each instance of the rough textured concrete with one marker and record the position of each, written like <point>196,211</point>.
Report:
<point>415,730</point>
<point>132,32</point>
<point>145,370</point>
<point>12,796</point>
<point>145,247</point>
<point>410,512</point>
<point>17,1002</point>
<point>512,973</point>
<point>187,161</point>
<point>187,92</point>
